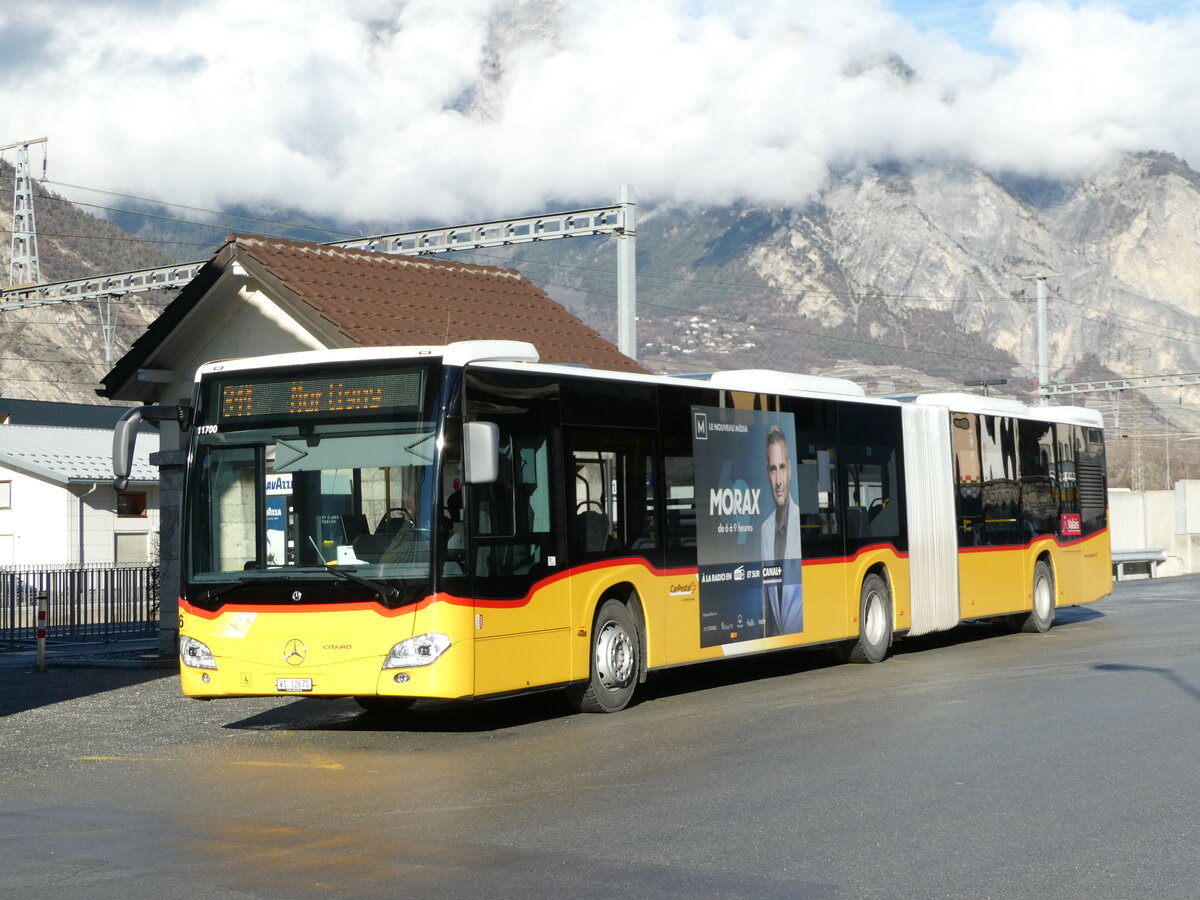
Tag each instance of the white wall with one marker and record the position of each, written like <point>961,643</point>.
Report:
<point>1159,520</point>
<point>1141,519</point>
<point>37,520</point>
<point>101,522</point>
<point>44,522</point>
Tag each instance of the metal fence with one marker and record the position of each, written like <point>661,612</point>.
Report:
<point>90,602</point>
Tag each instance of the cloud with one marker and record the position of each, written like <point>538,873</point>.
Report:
<point>394,112</point>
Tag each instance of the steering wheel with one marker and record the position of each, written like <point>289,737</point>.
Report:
<point>395,519</point>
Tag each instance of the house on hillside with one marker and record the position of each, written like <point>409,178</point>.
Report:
<point>57,503</point>
<point>268,295</point>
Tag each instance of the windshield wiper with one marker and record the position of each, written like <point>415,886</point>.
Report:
<point>383,592</point>
<point>216,592</point>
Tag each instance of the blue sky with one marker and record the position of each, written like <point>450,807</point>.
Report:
<point>970,21</point>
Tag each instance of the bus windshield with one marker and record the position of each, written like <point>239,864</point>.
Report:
<point>279,492</point>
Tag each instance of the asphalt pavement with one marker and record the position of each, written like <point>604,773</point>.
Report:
<point>969,764</point>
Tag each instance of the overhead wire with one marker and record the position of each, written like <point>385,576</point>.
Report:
<point>1087,314</point>
<point>1090,314</point>
<point>224,214</point>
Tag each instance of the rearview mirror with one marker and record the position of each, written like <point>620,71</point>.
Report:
<point>125,436</point>
<point>481,452</point>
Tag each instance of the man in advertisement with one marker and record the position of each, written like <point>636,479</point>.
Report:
<point>780,536</point>
<point>749,569</point>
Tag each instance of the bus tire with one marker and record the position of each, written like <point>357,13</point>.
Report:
<point>874,622</point>
<point>384,706</point>
<point>615,661</point>
<point>1041,616</point>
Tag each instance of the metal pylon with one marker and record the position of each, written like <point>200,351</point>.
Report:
<point>23,267</point>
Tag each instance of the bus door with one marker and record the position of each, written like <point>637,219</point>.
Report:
<point>1070,524</point>
<point>1042,505</point>
<point>612,519</point>
<point>992,536</point>
<point>514,550</point>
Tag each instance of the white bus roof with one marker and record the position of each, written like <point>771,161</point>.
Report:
<point>458,353</point>
<point>1000,406</point>
<point>770,381</point>
<point>500,354</point>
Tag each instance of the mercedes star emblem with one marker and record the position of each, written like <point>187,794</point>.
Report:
<point>294,652</point>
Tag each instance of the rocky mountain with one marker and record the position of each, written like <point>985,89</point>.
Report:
<point>903,279</point>
<point>910,279</point>
<point>60,352</point>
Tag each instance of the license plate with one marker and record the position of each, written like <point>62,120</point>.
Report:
<point>293,685</point>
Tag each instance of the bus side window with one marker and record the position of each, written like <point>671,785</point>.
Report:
<point>1039,501</point>
<point>1000,486</point>
<point>870,457</point>
<point>1091,478</point>
<point>511,518</point>
<point>968,478</point>
<point>493,510</point>
<point>871,486</point>
<point>612,504</point>
<point>816,492</point>
<point>680,499</point>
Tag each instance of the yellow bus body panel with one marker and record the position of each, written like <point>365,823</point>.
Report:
<point>544,639</point>
<point>999,581</point>
<point>341,649</point>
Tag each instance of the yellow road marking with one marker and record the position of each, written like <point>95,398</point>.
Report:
<point>313,758</point>
<point>290,765</point>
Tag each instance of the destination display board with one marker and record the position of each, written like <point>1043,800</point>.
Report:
<point>327,395</point>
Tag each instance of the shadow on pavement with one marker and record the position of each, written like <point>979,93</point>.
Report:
<point>1169,675</point>
<point>343,714</point>
<point>23,688</point>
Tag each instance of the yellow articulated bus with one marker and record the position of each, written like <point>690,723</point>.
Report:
<point>463,522</point>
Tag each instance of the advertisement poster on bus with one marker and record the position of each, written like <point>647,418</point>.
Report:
<point>747,525</point>
<point>279,494</point>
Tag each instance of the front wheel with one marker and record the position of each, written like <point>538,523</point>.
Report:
<point>1041,616</point>
<point>874,622</point>
<point>615,661</point>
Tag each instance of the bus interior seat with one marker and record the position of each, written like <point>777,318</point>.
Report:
<point>592,530</point>
<point>856,522</point>
<point>681,527</point>
<point>354,525</point>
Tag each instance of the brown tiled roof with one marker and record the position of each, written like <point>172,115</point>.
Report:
<point>376,299</point>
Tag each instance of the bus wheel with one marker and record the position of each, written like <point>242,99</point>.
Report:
<point>385,705</point>
<point>1041,617</point>
<point>615,661</point>
<point>874,622</point>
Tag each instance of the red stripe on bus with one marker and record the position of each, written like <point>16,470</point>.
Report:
<point>491,603</point>
<point>441,596</point>
<point>845,560</point>
<point>1072,542</point>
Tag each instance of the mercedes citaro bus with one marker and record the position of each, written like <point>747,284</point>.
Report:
<point>464,522</point>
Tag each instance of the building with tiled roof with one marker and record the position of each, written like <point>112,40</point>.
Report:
<point>269,295</point>
<point>57,504</point>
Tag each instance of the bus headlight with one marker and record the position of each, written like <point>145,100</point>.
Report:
<point>195,654</point>
<point>417,651</point>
